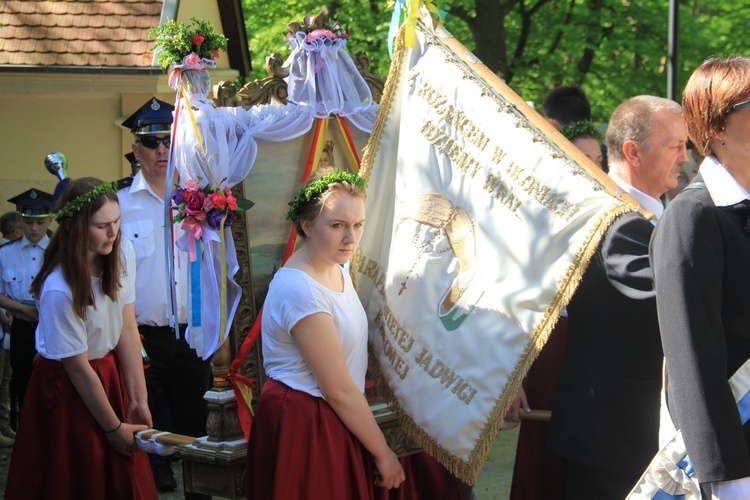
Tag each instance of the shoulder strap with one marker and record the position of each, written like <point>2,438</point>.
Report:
<point>123,183</point>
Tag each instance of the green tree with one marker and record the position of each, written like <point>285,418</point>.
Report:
<point>614,49</point>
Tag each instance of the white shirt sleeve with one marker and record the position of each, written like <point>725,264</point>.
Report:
<point>61,333</point>
<point>127,273</point>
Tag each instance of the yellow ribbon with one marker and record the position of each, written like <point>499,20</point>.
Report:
<point>223,282</point>
<point>412,12</point>
<point>348,150</point>
<point>197,132</point>
<point>223,278</point>
<point>321,142</point>
<point>412,15</point>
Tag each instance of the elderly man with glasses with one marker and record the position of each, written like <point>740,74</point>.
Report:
<point>177,378</point>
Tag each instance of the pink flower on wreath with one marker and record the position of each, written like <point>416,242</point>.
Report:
<point>192,185</point>
<point>198,39</point>
<point>216,54</point>
<point>201,216</point>
<point>231,202</point>
<point>193,201</point>
<point>207,204</point>
<point>192,60</point>
<point>218,201</point>
<point>320,33</point>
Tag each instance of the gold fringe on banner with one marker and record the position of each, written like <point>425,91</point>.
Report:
<point>469,471</point>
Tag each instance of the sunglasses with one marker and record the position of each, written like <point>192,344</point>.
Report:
<point>152,142</point>
<point>739,106</point>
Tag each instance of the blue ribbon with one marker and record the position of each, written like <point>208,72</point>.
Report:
<point>663,495</point>
<point>195,287</point>
<point>743,405</point>
<point>398,9</point>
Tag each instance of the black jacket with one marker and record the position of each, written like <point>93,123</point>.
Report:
<point>701,260</point>
<point>606,411</point>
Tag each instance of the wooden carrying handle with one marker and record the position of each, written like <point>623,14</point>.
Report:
<point>168,439</point>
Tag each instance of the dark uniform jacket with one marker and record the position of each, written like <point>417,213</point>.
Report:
<point>606,411</point>
<point>701,259</point>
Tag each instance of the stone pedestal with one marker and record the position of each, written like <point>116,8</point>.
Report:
<point>215,464</point>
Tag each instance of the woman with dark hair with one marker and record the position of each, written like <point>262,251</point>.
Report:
<point>87,394</point>
<point>700,255</point>
<point>314,435</point>
<point>585,136</point>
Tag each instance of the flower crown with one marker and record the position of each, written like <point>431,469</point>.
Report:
<point>176,41</point>
<point>317,27</point>
<point>583,128</point>
<point>307,193</point>
<point>74,206</point>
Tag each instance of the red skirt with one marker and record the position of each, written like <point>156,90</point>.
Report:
<point>299,448</point>
<point>62,452</point>
<point>426,479</point>
<point>539,472</point>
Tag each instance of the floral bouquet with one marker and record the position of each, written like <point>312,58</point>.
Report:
<point>200,207</point>
<point>177,43</point>
<point>192,47</point>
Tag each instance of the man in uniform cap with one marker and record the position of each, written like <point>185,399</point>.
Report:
<point>177,378</point>
<point>20,261</point>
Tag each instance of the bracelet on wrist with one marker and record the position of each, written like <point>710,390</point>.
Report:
<point>115,429</point>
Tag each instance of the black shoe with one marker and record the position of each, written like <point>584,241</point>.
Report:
<point>165,481</point>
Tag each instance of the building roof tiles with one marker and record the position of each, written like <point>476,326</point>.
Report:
<point>108,33</point>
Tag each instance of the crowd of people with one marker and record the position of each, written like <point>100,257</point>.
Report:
<point>655,328</point>
<point>647,344</point>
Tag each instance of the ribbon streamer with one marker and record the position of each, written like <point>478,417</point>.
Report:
<point>223,283</point>
<point>172,311</point>
<point>195,289</point>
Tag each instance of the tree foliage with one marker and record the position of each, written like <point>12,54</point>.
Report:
<point>614,49</point>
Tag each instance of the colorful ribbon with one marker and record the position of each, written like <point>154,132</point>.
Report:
<point>196,316</point>
<point>411,11</point>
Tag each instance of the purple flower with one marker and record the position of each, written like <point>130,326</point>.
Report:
<point>177,196</point>
<point>215,216</point>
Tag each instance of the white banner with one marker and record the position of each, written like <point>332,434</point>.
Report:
<point>478,229</point>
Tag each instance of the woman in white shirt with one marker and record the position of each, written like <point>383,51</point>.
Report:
<point>87,394</point>
<point>313,427</point>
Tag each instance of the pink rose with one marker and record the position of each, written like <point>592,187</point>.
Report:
<point>192,60</point>
<point>218,200</point>
<point>192,185</point>
<point>232,202</point>
<point>198,39</point>
<point>193,201</point>
<point>207,204</point>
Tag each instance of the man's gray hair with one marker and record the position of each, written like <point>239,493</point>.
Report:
<point>633,121</point>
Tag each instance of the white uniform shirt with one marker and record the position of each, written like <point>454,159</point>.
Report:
<point>143,224</point>
<point>646,201</point>
<point>62,333</point>
<point>294,295</point>
<point>20,261</point>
